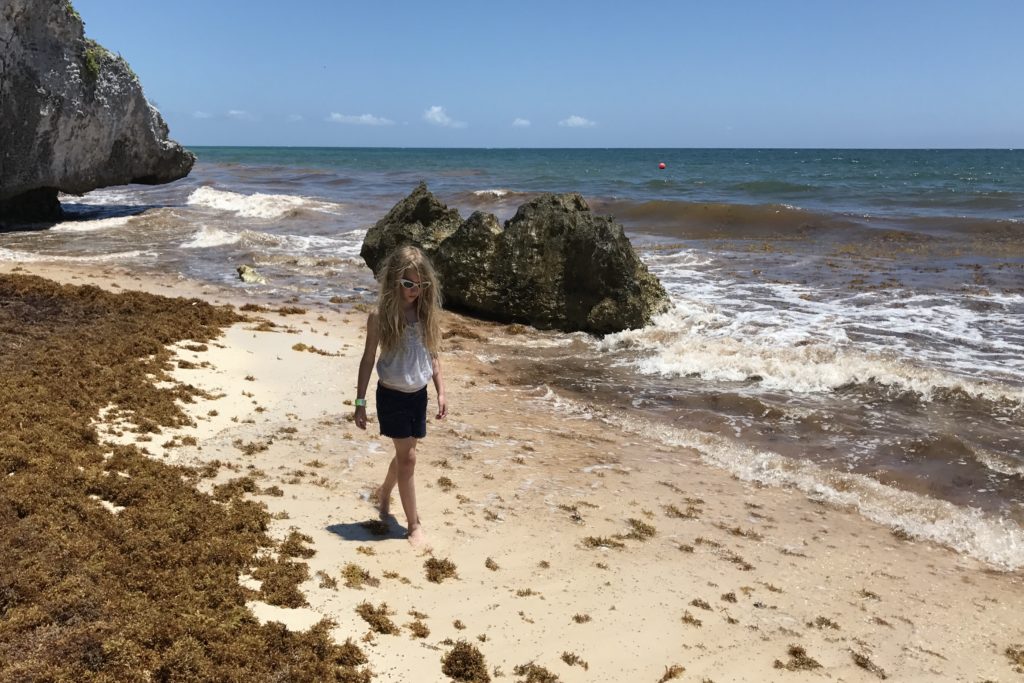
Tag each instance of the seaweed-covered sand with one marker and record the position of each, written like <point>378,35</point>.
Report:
<point>186,498</point>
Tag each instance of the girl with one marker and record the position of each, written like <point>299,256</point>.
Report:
<point>405,326</point>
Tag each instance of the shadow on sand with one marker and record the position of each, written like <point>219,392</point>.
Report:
<point>369,530</point>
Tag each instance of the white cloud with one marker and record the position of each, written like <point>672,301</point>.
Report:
<point>437,116</point>
<point>521,123</point>
<point>201,115</point>
<point>577,122</point>
<point>361,120</point>
<point>241,115</point>
<point>295,118</point>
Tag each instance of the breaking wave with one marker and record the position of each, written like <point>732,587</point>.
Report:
<point>92,225</point>
<point>259,205</point>
<point>678,348</point>
<point>30,257</point>
<point>207,237</point>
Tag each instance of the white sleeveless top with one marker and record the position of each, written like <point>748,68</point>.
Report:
<point>408,366</point>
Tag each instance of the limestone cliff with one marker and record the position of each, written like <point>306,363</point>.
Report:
<point>73,116</point>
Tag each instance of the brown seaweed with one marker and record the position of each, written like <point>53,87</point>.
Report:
<point>152,592</point>
<point>465,663</point>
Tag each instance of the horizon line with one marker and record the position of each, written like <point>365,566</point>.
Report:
<point>424,147</point>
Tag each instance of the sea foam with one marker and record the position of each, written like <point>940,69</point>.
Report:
<point>258,205</point>
<point>345,244</point>
<point>207,237</point>
<point>793,337</point>
<point>92,225</point>
<point>104,197</point>
<point>29,257</point>
<point>679,347</point>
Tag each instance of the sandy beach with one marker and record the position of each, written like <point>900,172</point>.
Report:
<point>582,547</point>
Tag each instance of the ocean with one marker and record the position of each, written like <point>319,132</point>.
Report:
<point>849,323</point>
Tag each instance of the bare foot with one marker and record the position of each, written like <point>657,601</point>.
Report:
<point>418,538</point>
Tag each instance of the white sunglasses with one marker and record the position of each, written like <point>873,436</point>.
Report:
<point>409,284</point>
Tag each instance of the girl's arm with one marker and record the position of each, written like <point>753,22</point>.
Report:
<point>366,366</point>
<point>442,404</point>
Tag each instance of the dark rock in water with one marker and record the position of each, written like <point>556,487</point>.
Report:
<point>40,206</point>
<point>553,265</point>
<point>419,219</point>
<point>74,117</point>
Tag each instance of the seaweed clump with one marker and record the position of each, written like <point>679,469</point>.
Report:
<point>640,530</point>
<point>439,570</point>
<point>280,581</point>
<point>356,577</point>
<point>573,659</point>
<point>823,623</point>
<point>377,617</point>
<point>151,593</point>
<point>864,662</point>
<point>418,629</point>
<point>671,673</point>
<point>534,673</point>
<point>691,512</point>
<point>602,542</point>
<point>1016,656</point>
<point>294,545</point>
<point>234,488</point>
<point>465,663</point>
<point>799,660</point>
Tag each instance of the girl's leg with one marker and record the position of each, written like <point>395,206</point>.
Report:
<point>384,492</point>
<point>405,457</point>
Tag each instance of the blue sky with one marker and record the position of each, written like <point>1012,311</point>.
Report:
<point>813,73</point>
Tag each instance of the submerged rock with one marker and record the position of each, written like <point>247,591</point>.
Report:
<point>553,265</point>
<point>74,115</point>
<point>249,274</point>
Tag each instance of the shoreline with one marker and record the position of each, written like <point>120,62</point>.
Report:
<point>719,576</point>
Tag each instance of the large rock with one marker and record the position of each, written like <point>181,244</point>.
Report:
<point>418,219</point>
<point>73,116</point>
<point>553,265</point>
<point>466,264</point>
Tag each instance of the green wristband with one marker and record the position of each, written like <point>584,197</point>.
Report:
<point>360,403</point>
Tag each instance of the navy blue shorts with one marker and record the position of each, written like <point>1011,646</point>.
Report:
<point>400,414</point>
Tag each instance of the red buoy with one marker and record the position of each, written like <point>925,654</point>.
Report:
<point>662,166</point>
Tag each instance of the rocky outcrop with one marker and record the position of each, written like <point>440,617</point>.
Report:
<point>418,219</point>
<point>552,265</point>
<point>73,116</point>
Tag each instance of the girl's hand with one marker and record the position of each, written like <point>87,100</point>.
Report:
<point>361,417</point>
<point>442,407</point>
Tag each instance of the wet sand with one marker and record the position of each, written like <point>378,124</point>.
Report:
<point>597,553</point>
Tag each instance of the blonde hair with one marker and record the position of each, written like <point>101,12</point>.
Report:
<point>390,319</point>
